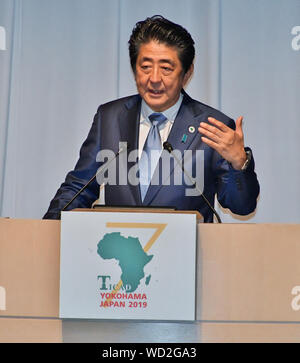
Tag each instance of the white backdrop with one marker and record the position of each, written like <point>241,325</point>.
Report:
<point>65,57</point>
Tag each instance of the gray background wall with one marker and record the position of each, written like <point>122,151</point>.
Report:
<point>65,57</point>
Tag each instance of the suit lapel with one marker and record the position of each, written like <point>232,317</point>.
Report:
<point>186,125</point>
<point>129,131</point>
<point>183,133</point>
<point>129,123</point>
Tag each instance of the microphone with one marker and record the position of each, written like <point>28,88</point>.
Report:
<point>103,167</point>
<point>167,146</point>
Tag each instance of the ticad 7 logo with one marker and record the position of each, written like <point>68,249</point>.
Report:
<point>296,39</point>
<point>2,38</point>
<point>2,298</point>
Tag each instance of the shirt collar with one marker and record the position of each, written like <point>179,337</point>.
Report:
<point>170,113</point>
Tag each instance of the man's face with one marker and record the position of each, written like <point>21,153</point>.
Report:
<point>159,75</point>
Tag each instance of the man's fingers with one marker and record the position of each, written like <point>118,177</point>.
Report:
<point>210,131</point>
<point>210,143</point>
<point>207,141</point>
<point>226,141</point>
<point>218,124</point>
<point>239,125</point>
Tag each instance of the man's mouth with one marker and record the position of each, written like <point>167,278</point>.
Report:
<point>156,92</point>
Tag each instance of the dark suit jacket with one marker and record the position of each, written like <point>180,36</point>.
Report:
<point>119,121</point>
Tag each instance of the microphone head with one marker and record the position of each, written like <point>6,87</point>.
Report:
<point>167,146</point>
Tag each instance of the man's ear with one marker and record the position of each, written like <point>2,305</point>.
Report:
<point>188,74</point>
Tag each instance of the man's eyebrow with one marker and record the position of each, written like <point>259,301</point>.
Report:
<point>167,61</point>
<point>147,59</point>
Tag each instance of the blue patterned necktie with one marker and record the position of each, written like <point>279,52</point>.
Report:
<point>148,160</point>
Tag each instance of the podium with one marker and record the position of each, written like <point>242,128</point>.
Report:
<point>248,288</point>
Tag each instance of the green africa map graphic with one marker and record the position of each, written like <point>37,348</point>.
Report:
<point>130,255</point>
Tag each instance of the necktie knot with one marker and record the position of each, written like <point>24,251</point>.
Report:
<point>157,118</point>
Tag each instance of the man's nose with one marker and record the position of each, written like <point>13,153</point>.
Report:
<point>155,76</point>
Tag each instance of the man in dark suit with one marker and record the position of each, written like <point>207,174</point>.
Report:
<point>161,55</point>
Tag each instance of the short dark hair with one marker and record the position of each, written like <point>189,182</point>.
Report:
<point>164,31</point>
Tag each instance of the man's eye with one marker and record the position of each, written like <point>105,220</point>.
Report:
<point>167,69</point>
